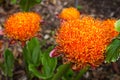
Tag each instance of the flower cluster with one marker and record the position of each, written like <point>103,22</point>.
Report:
<point>109,30</point>
<point>69,14</point>
<point>22,25</point>
<point>83,41</point>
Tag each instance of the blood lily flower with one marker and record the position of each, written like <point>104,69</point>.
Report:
<point>69,14</point>
<point>22,25</point>
<point>83,41</point>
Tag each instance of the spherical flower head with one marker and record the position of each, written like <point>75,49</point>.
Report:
<point>82,42</point>
<point>108,26</point>
<point>69,14</point>
<point>109,29</point>
<point>22,25</point>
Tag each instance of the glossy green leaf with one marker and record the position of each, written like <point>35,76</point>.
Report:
<point>1,66</point>
<point>37,73</point>
<point>38,1</point>
<point>68,75</point>
<point>113,51</point>
<point>32,44</point>
<point>9,63</point>
<point>33,47</point>
<point>27,4</point>
<point>81,72</point>
<point>27,55</point>
<point>31,52</point>
<point>13,1</point>
<point>36,56</point>
<point>117,25</point>
<point>49,64</point>
<point>26,58</point>
<point>79,7</point>
<point>60,70</point>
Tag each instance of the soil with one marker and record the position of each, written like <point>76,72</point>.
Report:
<point>102,9</point>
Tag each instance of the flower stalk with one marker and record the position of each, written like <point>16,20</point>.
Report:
<point>61,72</point>
<point>81,73</point>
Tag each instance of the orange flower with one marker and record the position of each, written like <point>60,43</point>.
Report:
<point>109,29</point>
<point>22,25</point>
<point>69,14</point>
<point>83,41</point>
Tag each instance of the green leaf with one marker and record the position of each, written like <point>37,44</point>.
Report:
<point>36,56</point>
<point>37,73</point>
<point>49,64</point>
<point>9,63</point>
<point>32,44</point>
<point>113,50</point>
<point>81,72</point>
<point>33,48</point>
<point>38,1</point>
<point>27,4</point>
<point>69,74</point>
<point>79,7</point>
<point>13,1</point>
<point>117,25</point>
<point>60,70</point>
<point>1,66</point>
<point>26,60</point>
<point>33,69</point>
<point>26,55</point>
<point>31,52</point>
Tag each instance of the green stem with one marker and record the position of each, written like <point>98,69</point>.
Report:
<point>81,73</point>
<point>61,71</point>
<point>27,6</point>
<point>28,73</point>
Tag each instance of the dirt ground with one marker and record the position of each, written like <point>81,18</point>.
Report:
<point>102,9</point>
